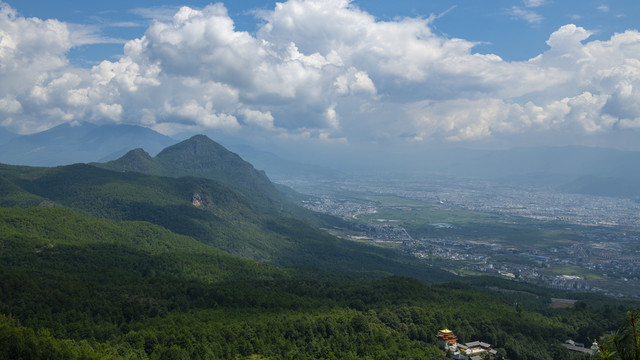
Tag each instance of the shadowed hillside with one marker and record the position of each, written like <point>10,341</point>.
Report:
<point>204,210</point>
<point>202,157</point>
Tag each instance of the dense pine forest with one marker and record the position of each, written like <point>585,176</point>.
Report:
<point>79,287</point>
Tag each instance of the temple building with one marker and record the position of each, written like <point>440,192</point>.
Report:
<point>447,336</point>
<point>477,347</point>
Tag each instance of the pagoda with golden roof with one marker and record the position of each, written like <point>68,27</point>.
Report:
<point>447,336</point>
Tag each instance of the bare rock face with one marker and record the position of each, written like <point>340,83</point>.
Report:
<point>197,200</point>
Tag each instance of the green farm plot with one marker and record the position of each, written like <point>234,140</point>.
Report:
<point>412,212</point>
<point>572,270</point>
<point>437,221</point>
<point>384,200</point>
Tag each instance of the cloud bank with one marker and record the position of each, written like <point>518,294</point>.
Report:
<point>326,70</point>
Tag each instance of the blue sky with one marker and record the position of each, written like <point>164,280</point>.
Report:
<point>334,73</point>
<point>514,30</point>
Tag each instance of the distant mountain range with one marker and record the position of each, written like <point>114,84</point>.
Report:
<point>563,160</point>
<point>572,169</point>
<point>68,144</point>
<point>83,143</point>
<point>6,135</point>
<point>575,169</point>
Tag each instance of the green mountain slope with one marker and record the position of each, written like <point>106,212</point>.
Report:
<point>83,288</point>
<point>77,245</point>
<point>136,160</point>
<point>200,208</point>
<point>206,211</point>
<point>202,157</point>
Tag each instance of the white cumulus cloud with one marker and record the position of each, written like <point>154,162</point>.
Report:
<point>319,69</point>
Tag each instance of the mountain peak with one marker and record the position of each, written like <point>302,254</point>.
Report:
<point>136,160</point>
<point>198,146</point>
<point>200,137</point>
<point>137,153</point>
<point>199,156</point>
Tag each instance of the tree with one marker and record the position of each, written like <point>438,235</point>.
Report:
<point>561,353</point>
<point>625,343</point>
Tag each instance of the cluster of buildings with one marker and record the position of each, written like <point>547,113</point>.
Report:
<point>385,232</point>
<point>612,256</point>
<point>343,208</point>
<point>580,348</point>
<point>607,250</point>
<point>478,350</point>
<point>467,351</point>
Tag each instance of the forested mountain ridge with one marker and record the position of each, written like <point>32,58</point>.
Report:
<point>206,211</point>
<point>202,157</point>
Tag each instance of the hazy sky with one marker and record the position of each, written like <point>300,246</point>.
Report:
<point>398,73</point>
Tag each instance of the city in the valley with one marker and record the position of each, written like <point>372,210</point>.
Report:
<point>471,227</point>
